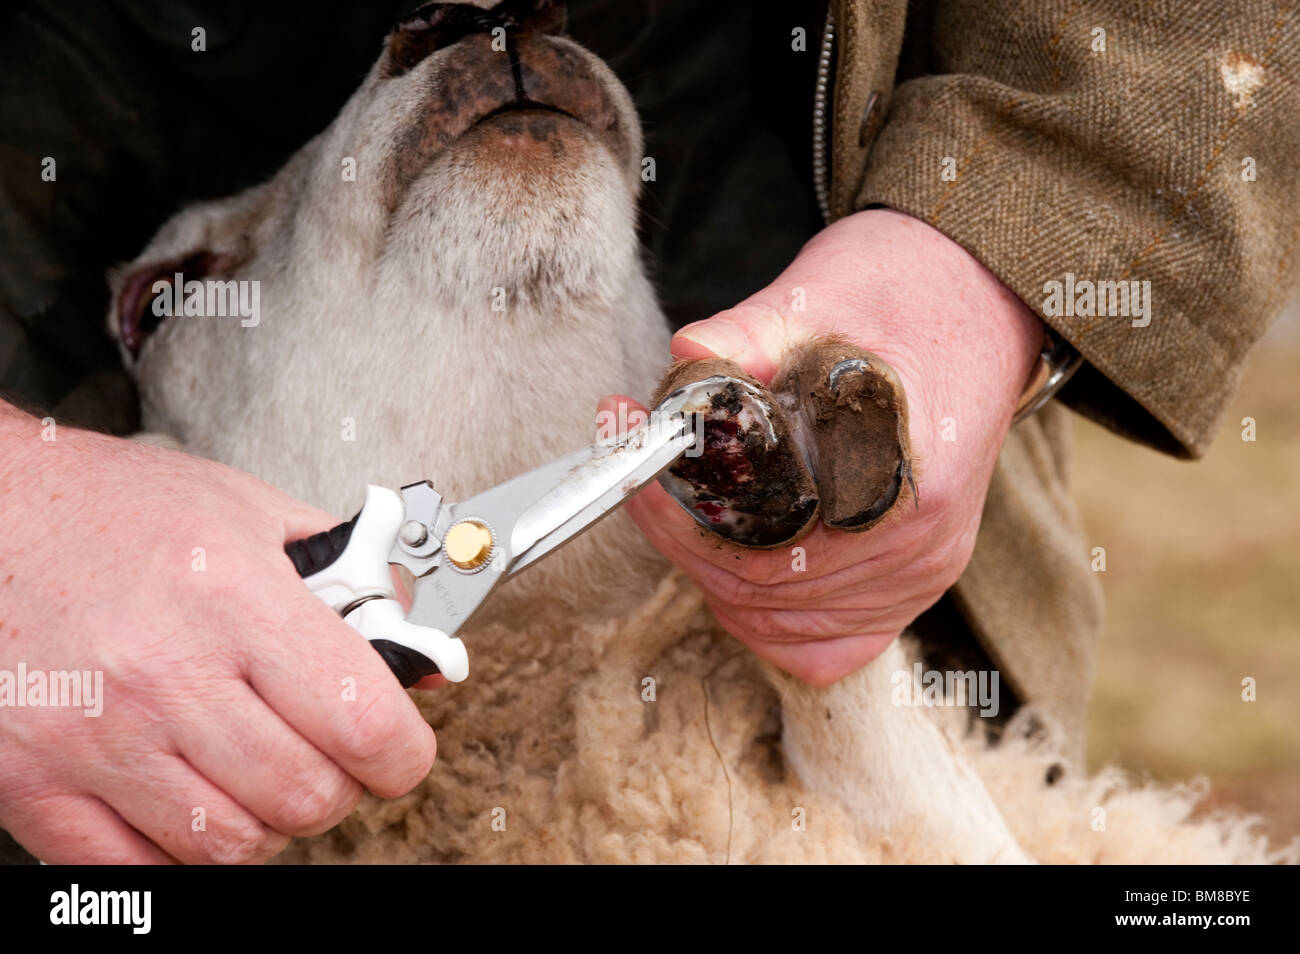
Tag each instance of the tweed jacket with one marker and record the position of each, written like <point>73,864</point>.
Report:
<point>1079,142</point>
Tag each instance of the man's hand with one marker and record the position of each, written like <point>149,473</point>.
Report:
<point>963,346</point>
<point>237,708</point>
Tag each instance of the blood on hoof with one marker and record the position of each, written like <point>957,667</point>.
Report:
<point>829,438</point>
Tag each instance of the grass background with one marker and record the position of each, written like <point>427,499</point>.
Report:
<point>1203,589</point>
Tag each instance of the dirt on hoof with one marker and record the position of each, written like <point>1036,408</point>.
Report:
<point>851,418</point>
<point>751,483</point>
<point>829,438</point>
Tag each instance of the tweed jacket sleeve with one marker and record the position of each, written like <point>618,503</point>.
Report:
<point>1082,149</point>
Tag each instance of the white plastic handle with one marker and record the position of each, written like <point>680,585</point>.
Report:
<point>383,619</point>
<point>362,571</point>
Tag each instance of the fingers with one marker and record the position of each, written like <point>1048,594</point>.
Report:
<point>752,334</point>
<point>337,693</point>
<point>187,816</point>
<point>298,520</point>
<point>809,625</point>
<point>831,561</point>
<point>266,766</point>
<point>404,598</point>
<point>431,682</point>
<point>88,833</point>
<point>323,679</point>
<point>817,662</point>
<point>819,612</point>
<point>607,410</point>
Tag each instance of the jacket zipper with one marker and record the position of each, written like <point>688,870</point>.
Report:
<point>821,170</point>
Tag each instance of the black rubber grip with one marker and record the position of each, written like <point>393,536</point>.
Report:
<point>316,552</point>
<point>407,665</point>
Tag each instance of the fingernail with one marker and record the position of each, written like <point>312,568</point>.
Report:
<point>719,338</point>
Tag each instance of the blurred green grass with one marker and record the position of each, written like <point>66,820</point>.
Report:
<point>1203,590</point>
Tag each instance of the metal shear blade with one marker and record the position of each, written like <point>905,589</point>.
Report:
<point>537,512</point>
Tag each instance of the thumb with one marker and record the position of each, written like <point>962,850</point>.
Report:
<point>616,414</point>
<point>752,335</point>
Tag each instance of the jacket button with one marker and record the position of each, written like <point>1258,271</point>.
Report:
<point>870,120</point>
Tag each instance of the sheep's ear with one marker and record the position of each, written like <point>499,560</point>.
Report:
<point>143,293</point>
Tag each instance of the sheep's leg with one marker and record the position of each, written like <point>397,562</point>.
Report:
<point>845,411</point>
<point>891,765</point>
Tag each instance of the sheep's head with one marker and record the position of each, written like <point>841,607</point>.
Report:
<point>460,240</point>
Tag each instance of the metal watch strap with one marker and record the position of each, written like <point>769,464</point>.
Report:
<point>1057,363</point>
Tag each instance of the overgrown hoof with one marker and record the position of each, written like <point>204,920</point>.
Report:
<point>830,437</point>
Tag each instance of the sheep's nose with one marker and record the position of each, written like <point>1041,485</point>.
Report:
<point>451,21</point>
<point>531,16</point>
<point>434,26</point>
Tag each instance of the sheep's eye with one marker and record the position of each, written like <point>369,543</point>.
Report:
<point>149,318</point>
<point>137,316</point>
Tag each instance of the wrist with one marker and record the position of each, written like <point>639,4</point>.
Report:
<point>1056,364</point>
<point>10,417</point>
<point>18,432</point>
<point>41,451</point>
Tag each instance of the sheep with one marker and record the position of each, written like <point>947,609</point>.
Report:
<point>455,310</point>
